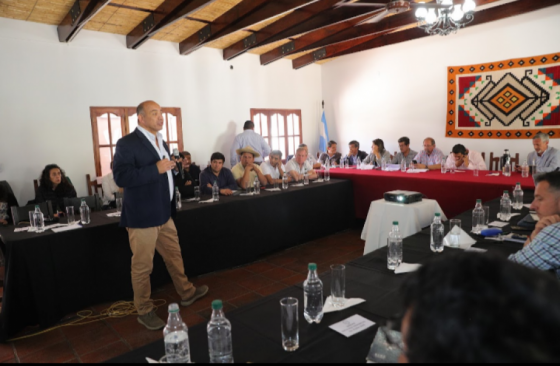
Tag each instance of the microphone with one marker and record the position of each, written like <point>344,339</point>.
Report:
<point>177,156</point>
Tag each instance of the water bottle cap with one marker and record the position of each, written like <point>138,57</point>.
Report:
<point>217,305</point>
<point>438,214</point>
<point>478,201</point>
<point>506,191</point>
<point>36,206</point>
<point>518,183</point>
<point>395,223</point>
<point>173,308</point>
<point>83,199</point>
<point>312,266</point>
<point>176,187</point>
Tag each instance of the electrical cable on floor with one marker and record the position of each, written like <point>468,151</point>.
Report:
<point>119,309</point>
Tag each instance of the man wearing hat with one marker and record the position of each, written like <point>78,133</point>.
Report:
<point>247,171</point>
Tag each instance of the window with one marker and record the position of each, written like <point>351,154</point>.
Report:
<point>109,124</point>
<point>280,128</point>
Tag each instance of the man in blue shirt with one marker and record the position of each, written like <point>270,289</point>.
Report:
<point>542,249</point>
<point>252,139</point>
<point>217,173</point>
<point>431,157</point>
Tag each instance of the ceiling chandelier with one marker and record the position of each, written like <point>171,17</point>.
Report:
<point>445,17</point>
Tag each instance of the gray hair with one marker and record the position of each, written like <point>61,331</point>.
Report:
<point>541,136</point>
<point>276,153</point>
<point>302,145</point>
<point>301,149</point>
<point>432,141</point>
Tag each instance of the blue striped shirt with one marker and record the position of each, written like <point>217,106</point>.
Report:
<point>544,251</point>
<point>252,139</point>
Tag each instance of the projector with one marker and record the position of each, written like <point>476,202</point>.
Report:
<point>405,197</point>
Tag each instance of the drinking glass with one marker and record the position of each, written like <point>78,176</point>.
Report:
<point>197,193</point>
<point>275,183</point>
<point>319,176</point>
<point>119,205</point>
<point>455,230</point>
<point>486,215</point>
<point>512,167</point>
<point>289,324</point>
<point>475,172</point>
<point>452,168</point>
<point>443,169</point>
<point>70,215</point>
<point>338,285</point>
<point>306,179</point>
<point>32,221</point>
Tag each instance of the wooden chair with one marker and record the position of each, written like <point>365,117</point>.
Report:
<point>495,162</point>
<point>94,203</point>
<point>93,186</point>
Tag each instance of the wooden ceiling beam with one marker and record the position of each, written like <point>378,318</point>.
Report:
<point>80,13</point>
<point>312,17</point>
<point>365,43</point>
<point>169,12</point>
<point>243,15</point>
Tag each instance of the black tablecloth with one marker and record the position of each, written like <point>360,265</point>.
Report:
<point>256,327</point>
<point>51,275</point>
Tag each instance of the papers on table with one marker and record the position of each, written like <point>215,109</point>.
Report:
<point>207,201</point>
<point>366,167</point>
<point>476,250</point>
<point>414,171</point>
<point>190,200</point>
<point>248,194</point>
<point>508,237</point>
<point>534,216</point>
<point>67,228</point>
<point>393,168</point>
<point>493,175</point>
<point>114,214</point>
<point>53,226</point>
<point>465,241</point>
<point>353,325</point>
<point>318,181</point>
<point>329,308</point>
<point>273,190</point>
<point>528,205</point>
<point>151,361</point>
<point>498,224</point>
<point>407,268</point>
<point>21,229</point>
<point>297,185</point>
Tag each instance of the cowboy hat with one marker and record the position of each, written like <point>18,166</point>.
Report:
<point>248,149</point>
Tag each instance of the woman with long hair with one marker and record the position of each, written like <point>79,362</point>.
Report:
<point>4,206</point>
<point>54,187</point>
<point>378,153</point>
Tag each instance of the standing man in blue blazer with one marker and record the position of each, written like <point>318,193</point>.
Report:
<point>143,168</point>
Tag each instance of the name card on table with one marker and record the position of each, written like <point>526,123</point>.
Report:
<point>353,325</point>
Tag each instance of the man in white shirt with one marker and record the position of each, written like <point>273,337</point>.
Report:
<point>109,189</point>
<point>299,166</point>
<point>273,169</point>
<point>252,139</point>
<point>464,158</point>
<point>310,158</point>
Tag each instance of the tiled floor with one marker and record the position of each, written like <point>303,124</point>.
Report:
<point>106,339</point>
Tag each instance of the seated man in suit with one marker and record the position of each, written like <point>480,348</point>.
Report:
<point>189,177</point>
<point>464,158</point>
<point>142,166</point>
<point>216,172</point>
<point>355,153</point>
<point>546,158</point>
<point>332,155</point>
<point>246,171</point>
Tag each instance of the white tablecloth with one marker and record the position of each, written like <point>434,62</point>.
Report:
<point>412,218</point>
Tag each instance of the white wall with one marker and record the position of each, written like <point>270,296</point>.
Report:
<point>401,90</point>
<point>47,87</point>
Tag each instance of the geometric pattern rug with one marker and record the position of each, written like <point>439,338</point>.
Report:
<point>513,99</point>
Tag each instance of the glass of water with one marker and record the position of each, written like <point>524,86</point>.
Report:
<point>32,226</point>
<point>70,215</point>
<point>305,179</point>
<point>119,205</point>
<point>338,285</point>
<point>455,230</point>
<point>443,168</point>
<point>197,193</point>
<point>486,215</point>
<point>289,324</point>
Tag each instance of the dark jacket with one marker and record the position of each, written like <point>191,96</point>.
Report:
<point>56,197</point>
<point>193,176</point>
<point>225,180</point>
<point>146,201</point>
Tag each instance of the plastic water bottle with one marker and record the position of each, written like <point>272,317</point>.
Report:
<point>347,163</point>
<point>313,296</point>
<point>257,186</point>
<point>327,173</point>
<point>518,197</point>
<point>525,170</point>
<point>359,163</point>
<point>436,239</point>
<point>444,165</point>
<point>84,213</point>
<point>383,164</point>
<point>215,192</point>
<point>478,219</point>
<point>505,207</point>
<point>403,165</point>
<point>176,337</point>
<point>507,170</point>
<point>219,335</point>
<point>285,181</point>
<point>394,247</point>
<point>178,203</point>
<point>39,220</point>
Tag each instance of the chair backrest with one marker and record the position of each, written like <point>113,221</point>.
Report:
<point>21,214</point>
<point>318,154</point>
<point>94,203</point>
<point>494,163</point>
<point>93,186</point>
<point>35,185</point>
<point>12,201</point>
<point>516,159</point>
<point>483,156</point>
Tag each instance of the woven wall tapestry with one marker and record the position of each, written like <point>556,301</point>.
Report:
<point>513,99</point>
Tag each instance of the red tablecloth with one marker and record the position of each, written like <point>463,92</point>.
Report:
<point>455,193</point>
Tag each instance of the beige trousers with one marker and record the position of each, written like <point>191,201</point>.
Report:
<point>143,243</point>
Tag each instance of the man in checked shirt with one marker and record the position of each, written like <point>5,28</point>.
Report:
<point>542,249</point>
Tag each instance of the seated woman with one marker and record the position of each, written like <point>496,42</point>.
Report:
<point>378,154</point>
<point>54,187</point>
<point>5,207</point>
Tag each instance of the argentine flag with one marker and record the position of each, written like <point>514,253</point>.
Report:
<point>323,134</point>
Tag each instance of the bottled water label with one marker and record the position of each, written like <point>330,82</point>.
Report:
<point>177,347</point>
<point>394,254</point>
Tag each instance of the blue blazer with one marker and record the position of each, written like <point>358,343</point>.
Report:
<point>146,201</point>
